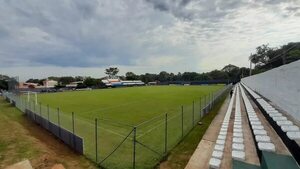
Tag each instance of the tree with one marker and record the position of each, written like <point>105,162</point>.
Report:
<point>89,82</point>
<point>53,78</point>
<point>267,58</point>
<point>217,75</point>
<point>163,76</point>
<point>189,76</point>
<point>131,76</point>
<point>148,77</point>
<point>66,80</point>
<point>112,71</point>
<point>254,59</point>
<point>37,81</point>
<point>229,68</point>
<point>3,77</point>
<point>3,85</point>
<point>79,78</point>
<point>263,54</point>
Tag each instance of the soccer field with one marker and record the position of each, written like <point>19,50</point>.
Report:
<point>129,105</point>
<point>127,114</point>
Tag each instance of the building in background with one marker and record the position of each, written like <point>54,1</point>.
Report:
<point>74,84</point>
<point>49,83</point>
<point>117,82</point>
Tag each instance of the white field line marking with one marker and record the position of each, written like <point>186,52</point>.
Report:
<point>159,124</point>
<point>84,121</point>
<point>112,107</point>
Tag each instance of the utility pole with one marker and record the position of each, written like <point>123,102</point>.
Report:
<point>250,68</point>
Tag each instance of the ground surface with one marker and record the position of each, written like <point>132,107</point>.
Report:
<point>21,139</point>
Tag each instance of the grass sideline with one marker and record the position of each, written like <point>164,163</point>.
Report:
<point>180,155</point>
<point>132,106</point>
<point>21,139</point>
<point>14,146</point>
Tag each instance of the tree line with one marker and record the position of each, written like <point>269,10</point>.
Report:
<point>229,73</point>
<point>266,58</point>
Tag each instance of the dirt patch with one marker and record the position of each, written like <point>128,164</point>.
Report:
<point>58,166</point>
<point>56,151</point>
<point>21,138</point>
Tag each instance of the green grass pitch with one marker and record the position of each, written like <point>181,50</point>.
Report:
<point>132,106</point>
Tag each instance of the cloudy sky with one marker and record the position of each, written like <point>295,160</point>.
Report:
<point>76,37</point>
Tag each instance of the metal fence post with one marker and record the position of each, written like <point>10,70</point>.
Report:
<point>73,130</point>
<point>205,104</point>
<point>34,113</point>
<point>193,112</point>
<point>181,121</point>
<point>58,122</point>
<point>213,98</point>
<point>200,104</point>
<point>210,102</point>
<point>166,133</point>
<point>96,138</point>
<point>40,109</point>
<point>134,147</point>
<point>48,113</point>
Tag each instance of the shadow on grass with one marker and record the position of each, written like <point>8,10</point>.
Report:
<point>180,155</point>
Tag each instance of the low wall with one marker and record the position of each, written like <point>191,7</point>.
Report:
<point>280,85</point>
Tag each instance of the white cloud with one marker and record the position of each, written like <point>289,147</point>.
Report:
<point>79,37</point>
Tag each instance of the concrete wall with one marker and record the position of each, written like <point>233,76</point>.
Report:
<point>280,85</point>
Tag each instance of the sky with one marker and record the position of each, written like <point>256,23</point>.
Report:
<point>75,37</point>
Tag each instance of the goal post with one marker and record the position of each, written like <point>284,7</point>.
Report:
<point>32,96</point>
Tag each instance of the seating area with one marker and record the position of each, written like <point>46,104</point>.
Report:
<point>285,128</point>
<point>238,147</point>
<point>218,151</point>
<point>263,141</point>
<point>252,93</point>
<point>292,131</point>
<point>246,138</point>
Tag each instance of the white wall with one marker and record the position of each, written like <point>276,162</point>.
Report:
<point>280,85</point>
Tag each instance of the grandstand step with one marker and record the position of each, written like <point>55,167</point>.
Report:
<point>242,165</point>
<point>277,161</point>
<point>286,127</point>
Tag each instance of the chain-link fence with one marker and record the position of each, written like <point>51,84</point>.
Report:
<point>113,144</point>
